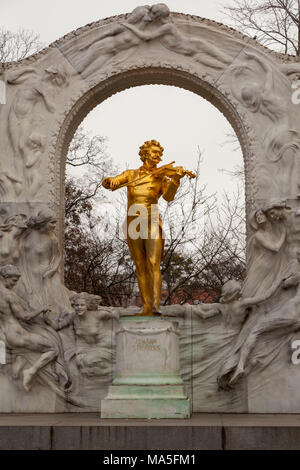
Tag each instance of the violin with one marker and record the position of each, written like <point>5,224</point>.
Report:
<point>165,170</point>
<point>170,170</point>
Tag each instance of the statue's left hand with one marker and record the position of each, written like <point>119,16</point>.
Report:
<point>178,174</point>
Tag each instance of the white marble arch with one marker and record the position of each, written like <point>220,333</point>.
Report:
<point>49,94</point>
<point>65,97</point>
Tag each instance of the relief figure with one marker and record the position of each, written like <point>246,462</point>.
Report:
<point>172,39</point>
<point>232,306</point>
<point>33,89</point>
<point>268,259</point>
<point>17,338</point>
<point>40,263</point>
<point>268,264</point>
<point>282,142</point>
<point>10,234</point>
<point>284,318</point>
<point>93,349</point>
<point>33,178</point>
<point>117,39</point>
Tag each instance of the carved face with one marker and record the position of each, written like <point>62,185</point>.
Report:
<point>275,214</point>
<point>55,76</point>
<point>11,281</point>
<point>231,291</point>
<point>93,304</point>
<point>140,14</point>
<point>57,80</point>
<point>260,217</point>
<point>51,225</point>
<point>80,306</point>
<point>35,143</point>
<point>153,155</point>
<point>251,96</point>
<point>159,11</point>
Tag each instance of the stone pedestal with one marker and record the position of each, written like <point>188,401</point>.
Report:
<point>147,382</point>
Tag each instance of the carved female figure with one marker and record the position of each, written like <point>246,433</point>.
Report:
<point>17,338</point>
<point>116,39</point>
<point>268,258</point>
<point>233,308</point>
<point>36,89</point>
<point>94,349</point>
<point>282,143</point>
<point>259,96</point>
<point>10,234</point>
<point>171,38</point>
<point>35,146</point>
<point>286,317</point>
<point>269,264</point>
<point>40,263</point>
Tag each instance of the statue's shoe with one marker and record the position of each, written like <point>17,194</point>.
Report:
<point>144,313</point>
<point>156,311</point>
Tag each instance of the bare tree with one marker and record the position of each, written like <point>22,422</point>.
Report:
<point>86,149</point>
<point>96,257</point>
<point>17,46</point>
<point>275,23</point>
<point>87,162</point>
<point>205,244</point>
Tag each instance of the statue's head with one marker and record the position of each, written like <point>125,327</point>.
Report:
<point>140,14</point>
<point>79,303</point>
<point>17,220</point>
<point>257,218</point>
<point>9,274</point>
<point>276,211</point>
<point>36,142</point>
<point>151,150</point>
<point>231,291</point>
<point>56,75</point>
<point>45,219</point>
<point>260,217</point>
<point>159,11</point>
<point>93,302</point>
<point>251,96</point>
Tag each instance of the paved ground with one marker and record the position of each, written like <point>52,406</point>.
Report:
<point>86,431</point>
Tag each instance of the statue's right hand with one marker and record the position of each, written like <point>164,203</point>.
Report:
<point>106,183</point>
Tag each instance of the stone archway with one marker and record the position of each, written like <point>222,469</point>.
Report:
<point>50,93</point>
<point>147,76</point>
<point>74,94</point>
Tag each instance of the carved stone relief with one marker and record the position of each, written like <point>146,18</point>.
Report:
<point>60,345</point>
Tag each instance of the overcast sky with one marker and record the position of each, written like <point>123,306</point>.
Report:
<point>179,119</point>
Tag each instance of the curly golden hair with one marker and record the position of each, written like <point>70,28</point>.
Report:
<point>145,147</point>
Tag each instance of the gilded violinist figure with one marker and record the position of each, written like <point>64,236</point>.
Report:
<point>144,187</point>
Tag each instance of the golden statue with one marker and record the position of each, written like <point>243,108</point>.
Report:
<point>144,187</point>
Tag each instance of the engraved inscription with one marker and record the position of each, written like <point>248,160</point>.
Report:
<point>146,344</point>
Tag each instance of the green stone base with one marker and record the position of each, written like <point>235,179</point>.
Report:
<point>145,408</point>
<point>149,392</point>
<point>152,401</point>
